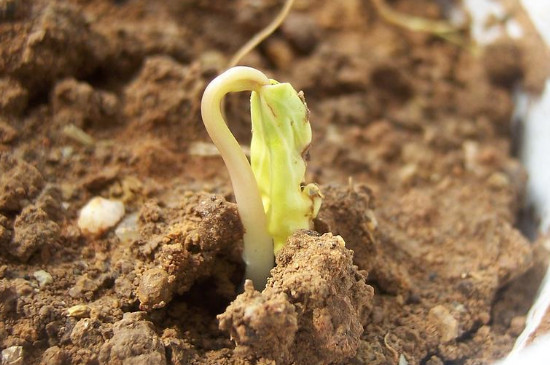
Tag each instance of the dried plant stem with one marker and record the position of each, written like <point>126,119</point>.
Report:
<point>413,23</point>
<point>263,34</point>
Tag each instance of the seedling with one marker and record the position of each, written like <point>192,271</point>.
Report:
<point>271,198</point>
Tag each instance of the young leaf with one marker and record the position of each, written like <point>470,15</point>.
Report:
<point>281,135</point>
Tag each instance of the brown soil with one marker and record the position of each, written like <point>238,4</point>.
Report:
<point>411,149</point>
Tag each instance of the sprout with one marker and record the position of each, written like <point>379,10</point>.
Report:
<point>271,198</point>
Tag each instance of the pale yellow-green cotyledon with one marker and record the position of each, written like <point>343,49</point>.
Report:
<point>281,135</point>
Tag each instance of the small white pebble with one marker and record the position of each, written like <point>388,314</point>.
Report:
<point>12,355</point>
<point>99,215</point>
<point>127,230</point>
<point>67,152</point>
<point>203,149</point>
<point>448,326</point>
<point>43,277</point>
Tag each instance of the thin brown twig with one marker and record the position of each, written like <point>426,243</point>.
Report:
<point>412,22</point>
<point>442,29</point>
<point>261,35</point>
<point>392,350</point>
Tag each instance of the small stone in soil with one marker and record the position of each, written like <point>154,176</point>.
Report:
<point>447,325</point>
<point>78,311</point>
<point>20,182</point>
<point>13,355</point>
<point>100,214</point>
<point>33,231</point>
<point>146,346</point>
<point>43,277</point>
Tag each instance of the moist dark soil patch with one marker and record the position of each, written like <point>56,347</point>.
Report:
<point>411,149</point>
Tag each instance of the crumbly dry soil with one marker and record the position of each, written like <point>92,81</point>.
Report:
<point>411,149</point>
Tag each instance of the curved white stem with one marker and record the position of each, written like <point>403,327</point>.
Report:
<point>258,245</point>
